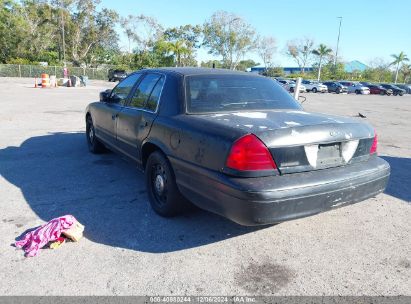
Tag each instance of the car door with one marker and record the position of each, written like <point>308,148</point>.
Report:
<point>135,121</point>
<point>105,115</point>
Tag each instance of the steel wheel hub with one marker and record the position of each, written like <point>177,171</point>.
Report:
<point>91,134</point>
<point>159,184</point>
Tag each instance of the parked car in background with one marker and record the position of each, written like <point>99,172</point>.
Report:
<point>355,87</point>
<point>289,85</point>
<point>378,89</point>
<point>395,90</point>
<point>116,75</point>
<point>314,86</point>
<point>235,144</point>
<point>283,82</point>
<point>335,87</point>
<point>406,87</point>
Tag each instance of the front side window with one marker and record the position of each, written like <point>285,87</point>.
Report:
<point>219,93</point>
<point>144,90</point>
<point>120,92</point>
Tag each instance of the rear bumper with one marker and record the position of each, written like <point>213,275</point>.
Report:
<point>274,199</point>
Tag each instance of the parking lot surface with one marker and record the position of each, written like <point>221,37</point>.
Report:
<point>46,171</point>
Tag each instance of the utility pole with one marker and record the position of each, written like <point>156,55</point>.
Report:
<point>338,42</point>
<point>62,31</point>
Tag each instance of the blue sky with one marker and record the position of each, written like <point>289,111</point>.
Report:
<point>370,28</point>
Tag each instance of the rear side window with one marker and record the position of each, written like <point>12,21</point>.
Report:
<point>219,93</point>
<point>121,91</point>
<point>155,95</point>
<point>144,90</point>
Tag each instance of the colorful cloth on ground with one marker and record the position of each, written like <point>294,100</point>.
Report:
<point>51,231</point>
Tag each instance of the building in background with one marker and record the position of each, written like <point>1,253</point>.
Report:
<point>287,70</point>
<point>354,66</point>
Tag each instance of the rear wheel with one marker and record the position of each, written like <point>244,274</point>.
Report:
<point>163,193</point>
<point>401,93</point>
<point>314,90</point>
<point>94,145</point>
<point>338,91</point>
<point>357,92</point>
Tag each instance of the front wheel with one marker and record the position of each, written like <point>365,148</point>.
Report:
<point>314,90</point>
<point>163,193</point>
<point>94,145</point>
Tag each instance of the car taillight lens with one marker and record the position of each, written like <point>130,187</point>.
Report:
<point>248,153</point>
<point>374,145</point>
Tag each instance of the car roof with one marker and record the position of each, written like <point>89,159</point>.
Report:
<point>185,71</point>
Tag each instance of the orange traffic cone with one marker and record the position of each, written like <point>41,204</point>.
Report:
<point>35,82</point>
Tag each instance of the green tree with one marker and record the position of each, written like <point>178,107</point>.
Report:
<point>243,65</point>
<point>90,29</point>
<point>212,63</point>
<point>179,49</point>
<point>182,43</point>
<point>300,50</point>
<point>398,59</point>
<point>378,71</point>
<point>229,36</point>
<point>274,72</point>
<point>41,29</point>
<point>331,72</point>
<point>321,52</point>
<point>13,30</point>
<point>406,71</point>
<point>266,47</point>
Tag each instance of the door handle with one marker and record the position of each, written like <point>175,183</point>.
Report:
<point>114,116</point>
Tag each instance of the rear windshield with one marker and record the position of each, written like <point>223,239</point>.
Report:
<point>221,93</point>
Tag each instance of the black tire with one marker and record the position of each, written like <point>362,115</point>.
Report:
<point>164,196</point>
<point>357,92</point>
<point>292,90</point>
<point>314,90</point>
<point>94,145</point>
<point>338,91</point>
<point>401,94</point>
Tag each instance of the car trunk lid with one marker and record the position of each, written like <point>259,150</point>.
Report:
<point>302,141</point>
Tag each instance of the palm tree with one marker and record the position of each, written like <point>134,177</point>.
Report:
<point>400,58</point>
<point>321,52</point>
<point>179,48</point>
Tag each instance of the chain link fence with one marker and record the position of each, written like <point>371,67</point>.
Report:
<point>19,70</point>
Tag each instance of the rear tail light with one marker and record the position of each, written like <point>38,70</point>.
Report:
<point>248,153</point>
<point>374,145</point>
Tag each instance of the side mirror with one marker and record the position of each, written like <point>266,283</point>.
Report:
<point>105,95</point>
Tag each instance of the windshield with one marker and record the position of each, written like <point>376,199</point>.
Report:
<point>221,93</point>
